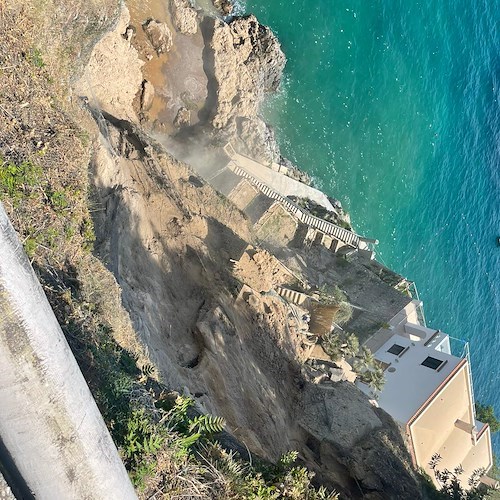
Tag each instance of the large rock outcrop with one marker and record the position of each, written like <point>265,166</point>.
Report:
<point>248,63</point>
<point>357,445</point>
<point>169,244</point>
<point>104,81</point>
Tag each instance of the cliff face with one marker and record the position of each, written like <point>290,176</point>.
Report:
<point>171,241</point>
<point>248,63</point>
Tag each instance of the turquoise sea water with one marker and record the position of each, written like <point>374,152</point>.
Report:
<point>393,107</point>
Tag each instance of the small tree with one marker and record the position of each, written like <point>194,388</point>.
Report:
<point>340,345</point>
<point>364,360</point>
<point>374,378</point>
<point>369,370</point>
<point>451,486</point>
<point>485,413</point>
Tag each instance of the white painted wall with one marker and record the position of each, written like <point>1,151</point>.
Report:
<point>49,421</point>
<point>409,384</point>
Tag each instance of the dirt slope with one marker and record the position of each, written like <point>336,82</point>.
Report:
<point>170,242</point>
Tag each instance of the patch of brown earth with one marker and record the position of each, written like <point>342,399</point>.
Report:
<point>177,76</point>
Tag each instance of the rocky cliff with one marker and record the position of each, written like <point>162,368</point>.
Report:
<point>171,241</point>
<point>248,63</point>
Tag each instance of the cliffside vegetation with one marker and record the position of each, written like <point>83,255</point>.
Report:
<point>486,414</point>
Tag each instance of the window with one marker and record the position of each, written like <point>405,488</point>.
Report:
<point>396,349</point>
<point>431,362</point>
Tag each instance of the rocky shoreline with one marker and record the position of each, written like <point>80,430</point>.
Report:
<point>235,62</point>
<point>184,273</point>
<point>183,234</point>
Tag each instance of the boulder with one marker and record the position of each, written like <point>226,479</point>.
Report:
<point>159,35</point>
<point>129,33</point>
<point>183,118</point>
<point>225,7</point>
<point>185,17</point>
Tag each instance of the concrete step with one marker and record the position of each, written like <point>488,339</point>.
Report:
<point>326,227</point>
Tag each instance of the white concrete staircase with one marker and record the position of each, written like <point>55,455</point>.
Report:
<point>345,236</point>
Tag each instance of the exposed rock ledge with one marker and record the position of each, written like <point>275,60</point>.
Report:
<point>104,80</point>
<point>184,17</point>
<point>248,63</point>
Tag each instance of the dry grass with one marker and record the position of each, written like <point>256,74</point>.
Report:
<point>40,139</point>
<point>52,216</point>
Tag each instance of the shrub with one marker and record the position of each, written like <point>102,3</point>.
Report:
<point>340,345</point>
<point>18,180</point>
<point>336,297</point>
<point>34,56</point>
<point>486,414</point>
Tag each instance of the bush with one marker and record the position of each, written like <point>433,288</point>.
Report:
<point>486,414</point>
<point>340,345</point>
<point>336,297</point>
<point>451,486</point>
<point>17,181</point>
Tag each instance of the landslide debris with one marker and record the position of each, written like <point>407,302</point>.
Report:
<point>159,35</point>
<point>191,301</point>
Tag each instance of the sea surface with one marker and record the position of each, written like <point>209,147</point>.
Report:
<point>393,107</point>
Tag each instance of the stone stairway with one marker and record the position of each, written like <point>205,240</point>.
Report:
<point>293,296</point>
<point>347,237</point>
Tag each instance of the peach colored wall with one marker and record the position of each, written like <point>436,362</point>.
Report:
<point>431,429</point>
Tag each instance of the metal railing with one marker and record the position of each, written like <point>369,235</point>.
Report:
<point>420,309</point>
<point>347,237</point>
<point>461,349</point>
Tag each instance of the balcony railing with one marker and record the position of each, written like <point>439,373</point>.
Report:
<point>460,349</point>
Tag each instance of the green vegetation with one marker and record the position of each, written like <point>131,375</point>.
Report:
<point>486,414</point>
<point>334,296</point>
<point>451,486</point>
<point>340,345</point>
<point>369,370</point>
<point>34,56</point>
<point>58,200</point>
<point>45,216</point>
<point>17,181</point>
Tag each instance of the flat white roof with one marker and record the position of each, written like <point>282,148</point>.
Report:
<point>408,383</point>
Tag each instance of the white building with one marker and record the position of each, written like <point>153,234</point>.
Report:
<point>428,391</point>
